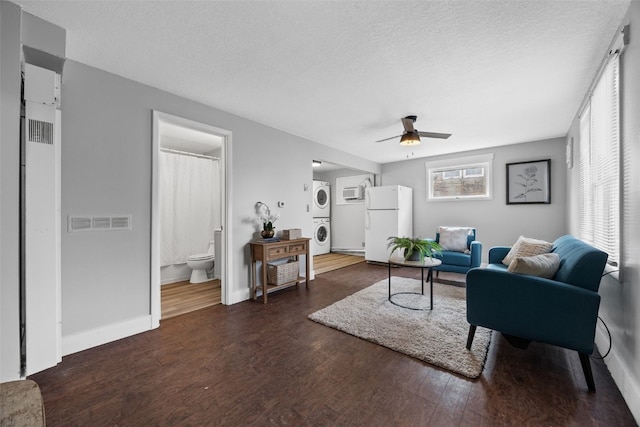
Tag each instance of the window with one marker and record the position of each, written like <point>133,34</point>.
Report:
<point>452,174</point>
<point>466,178</point>
<point>599,163</point>
<point>473,172</point>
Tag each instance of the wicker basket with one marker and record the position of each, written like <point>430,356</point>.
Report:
<point>277,274</point>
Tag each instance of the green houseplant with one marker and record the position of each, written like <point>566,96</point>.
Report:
<point>414,248</point>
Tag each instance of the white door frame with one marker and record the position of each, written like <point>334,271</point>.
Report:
<point>226,271</point>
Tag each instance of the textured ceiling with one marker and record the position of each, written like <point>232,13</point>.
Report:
<point>343,73</point>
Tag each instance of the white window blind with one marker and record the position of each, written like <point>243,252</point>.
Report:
<point>599,172</point>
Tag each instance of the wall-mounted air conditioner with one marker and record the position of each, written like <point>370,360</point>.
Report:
<point>353,193</point>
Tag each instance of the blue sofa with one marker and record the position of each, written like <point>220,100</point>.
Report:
<point>560,311</point>
<point>459,262</point>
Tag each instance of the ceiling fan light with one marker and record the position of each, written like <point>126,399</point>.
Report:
<point>410,138</point>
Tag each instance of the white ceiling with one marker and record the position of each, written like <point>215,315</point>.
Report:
<point>343,73</point>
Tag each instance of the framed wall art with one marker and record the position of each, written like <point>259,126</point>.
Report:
<point>529,182</point>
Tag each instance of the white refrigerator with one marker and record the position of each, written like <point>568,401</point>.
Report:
<point>388,212</point>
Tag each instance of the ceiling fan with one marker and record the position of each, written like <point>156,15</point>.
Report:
<point>412,136</point>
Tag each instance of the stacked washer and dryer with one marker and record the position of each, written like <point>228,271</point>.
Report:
<point>321,243</point>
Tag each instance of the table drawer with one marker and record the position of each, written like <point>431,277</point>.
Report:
<point>277,251</point>
<point>298,248</point>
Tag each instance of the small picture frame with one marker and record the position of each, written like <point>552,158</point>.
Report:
<point>529,182</point>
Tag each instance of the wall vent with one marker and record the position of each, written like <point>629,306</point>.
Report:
<point>77,223</point>
<point>41,132</point>
<point>121,222</point>
<point>99,223</point>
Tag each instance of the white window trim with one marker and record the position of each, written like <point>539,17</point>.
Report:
<point>484,160</point>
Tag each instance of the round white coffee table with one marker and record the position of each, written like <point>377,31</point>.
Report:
<point>429,264</point>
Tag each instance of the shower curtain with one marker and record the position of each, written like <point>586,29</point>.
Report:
<point>189,205</point>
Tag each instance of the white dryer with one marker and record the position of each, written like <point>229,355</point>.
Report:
<point>321,199</point>
<point>321,243</point>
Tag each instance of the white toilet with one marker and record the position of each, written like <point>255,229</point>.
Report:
<point>200,264</point>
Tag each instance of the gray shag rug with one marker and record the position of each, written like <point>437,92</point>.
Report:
<point>438,337</point>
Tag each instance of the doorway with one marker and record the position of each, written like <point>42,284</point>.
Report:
<point>198,152</point>
<point>339,215</point>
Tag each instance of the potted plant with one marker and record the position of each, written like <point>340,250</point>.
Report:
<point>414,249</point>
<point>266,218</point>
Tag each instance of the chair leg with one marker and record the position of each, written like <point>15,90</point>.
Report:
<point>586,368</point>
<point>472,332</point>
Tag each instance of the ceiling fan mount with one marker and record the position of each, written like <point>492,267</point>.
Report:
<point>411,136</point>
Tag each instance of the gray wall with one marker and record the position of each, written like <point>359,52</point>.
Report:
<point>106,160</point>
<point>620,305</point>
<point>46,44</point>
<point>106,169</point>
<point>9,162</point>
<point>496,222</point>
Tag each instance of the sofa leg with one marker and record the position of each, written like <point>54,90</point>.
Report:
<point>586,368</point>
<point>472,332</point>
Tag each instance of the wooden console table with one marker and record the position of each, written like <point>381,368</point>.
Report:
<point>264,252</point>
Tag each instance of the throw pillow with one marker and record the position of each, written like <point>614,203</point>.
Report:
<point>543,265</point>
<point>526,246</point>
<point>454,238</point>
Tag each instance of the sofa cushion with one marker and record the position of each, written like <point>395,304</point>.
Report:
<point>496,267</point>
<point>454,238</point>
<point>454,258</point>
<point>525,247</point>
<point>543,265</point>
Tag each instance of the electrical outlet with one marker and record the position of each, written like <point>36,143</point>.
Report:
<point>307,207</point>
<point>363,244</point>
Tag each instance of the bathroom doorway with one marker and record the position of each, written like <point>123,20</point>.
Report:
<point>188,216</point>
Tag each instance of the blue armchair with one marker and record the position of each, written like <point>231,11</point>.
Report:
<point>460,262</point>
<point>560,311</point>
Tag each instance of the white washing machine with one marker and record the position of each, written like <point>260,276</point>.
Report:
<point>321,199</point>
<point>321,243</point>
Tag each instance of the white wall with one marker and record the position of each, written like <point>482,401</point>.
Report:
<point>620,304</point>
<point>496,222</point>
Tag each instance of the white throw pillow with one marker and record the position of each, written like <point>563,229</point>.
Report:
<point>454,238</point>
<point>543,265</point>
<point>526,246</point>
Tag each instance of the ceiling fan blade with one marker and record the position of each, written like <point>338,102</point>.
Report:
<point>407,122</point>
<point>386,139</point>
<point>434,135</point>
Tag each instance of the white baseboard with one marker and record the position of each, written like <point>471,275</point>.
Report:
<point>349,251</point>
<point>95,337</point>
<point>239,296</point>
<point>622,375</point>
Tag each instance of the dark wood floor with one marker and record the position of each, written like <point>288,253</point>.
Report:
<point>255,364</point>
